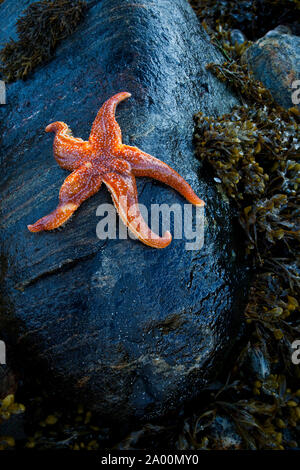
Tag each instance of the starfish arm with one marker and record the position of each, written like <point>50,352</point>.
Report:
<point>69,152</point>
<point>144,164</point>
<point>77,187</point>
<point>124,194</point>
<point>106,131</point>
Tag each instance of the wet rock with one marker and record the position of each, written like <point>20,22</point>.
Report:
<point>258,363</point>
<point>274,60</point>
<point>236,36</point>
<point>130,330</point>
<point>280,29</point>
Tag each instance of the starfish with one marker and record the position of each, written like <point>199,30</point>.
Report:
<point>104,158</point>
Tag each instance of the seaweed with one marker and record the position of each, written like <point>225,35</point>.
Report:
<point>254,151</point>
<point>42,26</point>
<point>9,407</point>
<point>73,429</point>
<point>230,44</point>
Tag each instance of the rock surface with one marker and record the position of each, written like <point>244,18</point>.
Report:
<point>130,330</point>
<point>274,60</point>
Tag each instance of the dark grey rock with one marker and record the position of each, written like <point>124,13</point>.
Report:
<point>275,61</point>
<point>130,330</point>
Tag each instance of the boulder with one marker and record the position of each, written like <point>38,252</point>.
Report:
<point>274,60</point>
<point>132,331</point>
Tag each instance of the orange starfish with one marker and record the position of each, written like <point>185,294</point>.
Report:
<point>104,158</point>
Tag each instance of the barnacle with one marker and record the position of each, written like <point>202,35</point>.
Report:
<point>40,29</point>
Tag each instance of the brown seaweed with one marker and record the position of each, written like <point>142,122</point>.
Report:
<point>254,151</point>
<point>42,26</point>
<point>9,407</point>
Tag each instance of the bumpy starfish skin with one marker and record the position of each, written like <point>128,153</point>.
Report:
<point>103,158</point>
